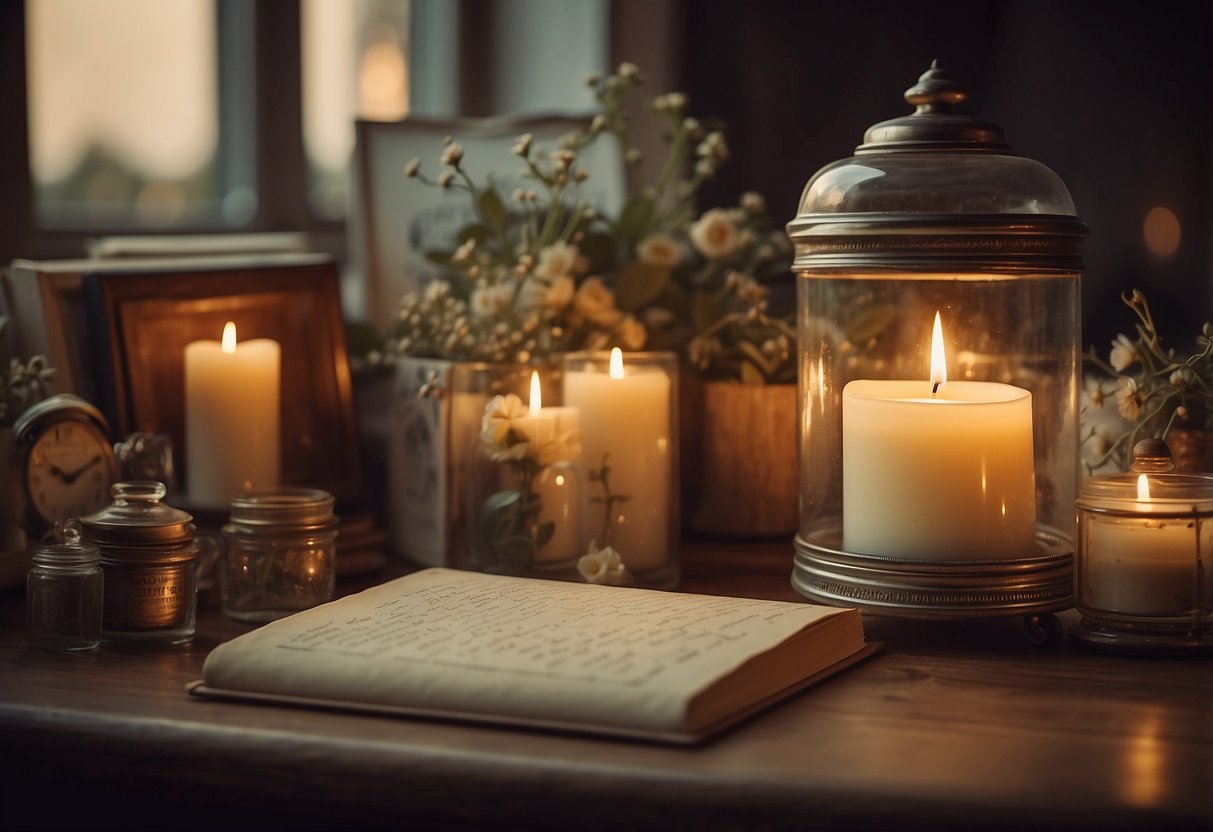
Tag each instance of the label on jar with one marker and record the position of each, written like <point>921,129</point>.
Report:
<point>148,598</point>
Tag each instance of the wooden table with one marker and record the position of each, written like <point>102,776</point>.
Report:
<point>961,725</point>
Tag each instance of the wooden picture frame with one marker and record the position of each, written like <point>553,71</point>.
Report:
<point>397,220</point>
<point>141,321</point>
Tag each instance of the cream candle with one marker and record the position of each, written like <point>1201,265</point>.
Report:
<point>627,413</point>
<point>232,422</point>
<point>938,470</point>
<point>554,431</point>
<point>1139,563</point>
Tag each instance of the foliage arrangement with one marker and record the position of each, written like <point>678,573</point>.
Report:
<point>1155,388</point>
<point>22,383</point>
<point>541,272</point>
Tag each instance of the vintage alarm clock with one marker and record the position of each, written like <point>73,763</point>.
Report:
<point>62,463</point>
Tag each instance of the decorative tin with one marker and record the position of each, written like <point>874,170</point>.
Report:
<point>938,488</point>
<point>148,557</point>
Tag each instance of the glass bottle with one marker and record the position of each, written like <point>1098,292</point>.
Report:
<point>63,594</point>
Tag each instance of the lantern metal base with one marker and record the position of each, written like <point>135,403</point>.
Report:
<point>1031,587</point>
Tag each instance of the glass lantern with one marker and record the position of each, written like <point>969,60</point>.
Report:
<point>938,318</point>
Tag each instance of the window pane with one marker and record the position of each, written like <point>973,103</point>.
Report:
<point>123,111</point>
<point>355,65</point>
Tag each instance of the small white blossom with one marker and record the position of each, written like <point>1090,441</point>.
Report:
<point>596,303</point>
<point>598,124</point>
<point>412,168</point>
<point>556,260</point>
<point>501,432</point>
<point>715,235</point>
<point>464,252</point>
<point>631,333</point>
<point>753,203</point>
<point>1124,353</point>
<point>1183,378</point>
<point>629,71</point>
<point>1127,402</point>
<point>452,154</point>
<point>659,250</point>
<point>632,157</point>
<point>603,566</point>
<point>522,147</point>
<point>445,179</point>
<point>487,301</point>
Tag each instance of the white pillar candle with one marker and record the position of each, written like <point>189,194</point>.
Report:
<point>943,475</point>
<point>1140,565</point>
<point>627,413</point>
<point>232,408</point>
<point>555,485</point>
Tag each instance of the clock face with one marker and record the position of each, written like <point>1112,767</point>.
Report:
<point>70,471</point>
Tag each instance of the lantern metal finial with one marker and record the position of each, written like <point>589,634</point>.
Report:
<point>1151,456</point>
<point>935,91</point>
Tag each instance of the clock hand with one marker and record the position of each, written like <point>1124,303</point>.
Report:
<point>60,473</point>
<point>72,476</point>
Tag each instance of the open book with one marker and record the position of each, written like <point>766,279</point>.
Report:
<point>463,645</point>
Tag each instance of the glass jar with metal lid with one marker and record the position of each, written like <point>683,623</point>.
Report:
<point>148,555</point>
<point>279,553</point>
<point>937,488</point>
<point>63,593</point>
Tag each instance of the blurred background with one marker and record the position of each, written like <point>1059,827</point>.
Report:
<point>145,116</point>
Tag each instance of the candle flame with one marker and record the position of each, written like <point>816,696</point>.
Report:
<point>536,396</point>
<point>939,366</point>
<point>1143,487</point>
<point>616,363</point>
<point>229,337</point>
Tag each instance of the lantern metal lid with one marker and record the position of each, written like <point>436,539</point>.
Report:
<point>937,190</point>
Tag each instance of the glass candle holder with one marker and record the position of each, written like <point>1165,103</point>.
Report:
<point>1144,579</point>
<point>279,553</point>
<point>524,487</point>
<point>629,463</point>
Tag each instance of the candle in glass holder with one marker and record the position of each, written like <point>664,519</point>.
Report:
<point>938,470</point>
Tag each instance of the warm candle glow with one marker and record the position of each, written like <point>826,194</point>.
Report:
<point>616,363</point>
<point>228,344</point>
<point>536,396</point>
<point>939,366</point>
<point>1143,488</point>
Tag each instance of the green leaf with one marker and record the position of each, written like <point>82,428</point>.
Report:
<point>870,323</point>
<point>640,284</point>
<point>705,310</point>
<point>474,230</point>
<point>544,533</point>
<point>635,218</point>
<point>493,209</point>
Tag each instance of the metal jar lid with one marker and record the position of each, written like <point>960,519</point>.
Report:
<point>1168,493</point>
<point>70,552</point>
<point>936,191</point>
<point>138,519</point>
<point>274,510</point>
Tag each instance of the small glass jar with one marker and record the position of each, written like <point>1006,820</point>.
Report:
<point>148,555</point>
<point>1144,581</point>
<point>279,554</point>
<point>63,594</point>
<point>628,412</point>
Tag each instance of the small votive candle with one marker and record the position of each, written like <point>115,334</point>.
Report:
<point>1145,558</point>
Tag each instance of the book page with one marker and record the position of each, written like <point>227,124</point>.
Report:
<point>532,649</point>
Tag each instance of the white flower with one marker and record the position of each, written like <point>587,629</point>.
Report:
<point>522,147</point>
<point>412,168</point>
<point>632,157</point>
<point>445,179</point>
<point>487,301</point>
<point>714,235</point>
<point>1183,377</point>
<point>556,260</point>
<point>1124,353</point>
<point>502,417</point>
<point>1127,402</point>
<point>603,566</point>
<point>595,302</point>
<point>464,252</point>
<point>629,71</point>
<point>753,203</point>
<point>537,294</point>
<point>631,333</point>
<point>598,124</point>
<point>565,447</point>
<point>436,290</point>
<point>659,250</point>
<point>452,154</point>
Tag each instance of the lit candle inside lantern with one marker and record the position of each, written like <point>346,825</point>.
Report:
<point>553,430</point>
<point>626,413</point>
<point>938,470</point>
<point>1142,564</point>
<point>231,417</point>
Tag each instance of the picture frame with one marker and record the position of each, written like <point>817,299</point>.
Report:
<point>141,320</point>
<point>396,220</point>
